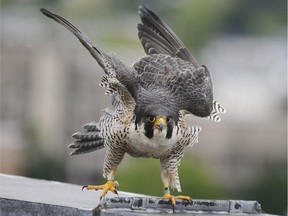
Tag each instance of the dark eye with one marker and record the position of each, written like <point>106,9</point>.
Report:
<point>151,118</point>
<point>168,119</point>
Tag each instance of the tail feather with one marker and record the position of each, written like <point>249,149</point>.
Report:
<point>87,135</point>
<point>82,143</point>
<point>88,140</point>
<point>92,126</point>
<point>82,147</point>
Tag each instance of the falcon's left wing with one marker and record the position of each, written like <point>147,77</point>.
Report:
<point>156,37</point>
<point>175,84</point>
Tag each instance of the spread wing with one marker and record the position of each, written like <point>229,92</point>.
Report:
<point>190,83</point>
<point>156,37</point>
<point>170,68</point>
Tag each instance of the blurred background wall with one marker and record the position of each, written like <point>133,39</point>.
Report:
<point>49,89</point>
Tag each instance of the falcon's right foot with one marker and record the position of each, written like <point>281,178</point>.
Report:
<point>109,186</point>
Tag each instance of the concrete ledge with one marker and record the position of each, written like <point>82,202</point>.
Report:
<point>26,196</point>
<point>20,207</point>
<point>144,203</point>
<point>158,205</point>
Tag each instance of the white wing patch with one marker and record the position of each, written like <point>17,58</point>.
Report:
<point>217,109</point>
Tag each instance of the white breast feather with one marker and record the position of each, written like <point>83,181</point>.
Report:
<point>156,146</point>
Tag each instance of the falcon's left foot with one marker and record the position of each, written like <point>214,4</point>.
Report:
<point>110,185</point>
<point>173,199</point>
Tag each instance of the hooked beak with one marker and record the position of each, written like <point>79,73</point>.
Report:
<point>160,123</point>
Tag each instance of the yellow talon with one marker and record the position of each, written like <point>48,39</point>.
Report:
<point>173,199</point>
<point>109,186</point>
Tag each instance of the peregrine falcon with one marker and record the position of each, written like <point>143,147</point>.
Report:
<point>150,100</point>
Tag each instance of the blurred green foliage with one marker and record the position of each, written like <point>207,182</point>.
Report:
<point>256,17</point>
<point>195,21</point>
<point>143,176</point>
<point>270,189</point>
<point>39,164</point>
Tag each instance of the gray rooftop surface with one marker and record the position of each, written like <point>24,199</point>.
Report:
<point>26,196</point>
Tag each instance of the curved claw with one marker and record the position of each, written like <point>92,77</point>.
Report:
<point>108,186</point>
<point>89,187</point>
<point>173,199</point>
<point>115,192</point>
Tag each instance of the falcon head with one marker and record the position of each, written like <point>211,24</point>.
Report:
<point>157,120</point>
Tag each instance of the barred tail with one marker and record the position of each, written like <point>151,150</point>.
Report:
<point>217,109</point>
<point>87,141</point>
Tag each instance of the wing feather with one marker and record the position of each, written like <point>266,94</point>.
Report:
<point>155,35</point>
<point>186,87</point>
